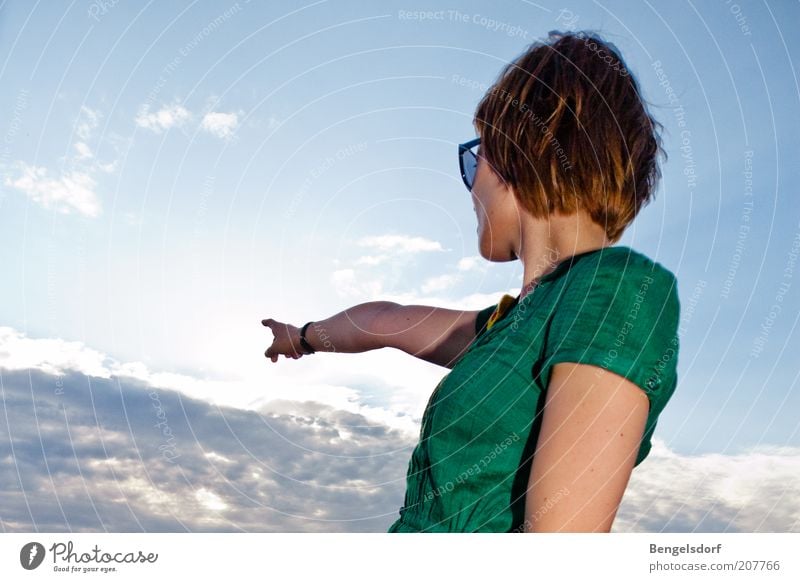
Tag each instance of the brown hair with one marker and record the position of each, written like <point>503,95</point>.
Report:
<point>566,127</point>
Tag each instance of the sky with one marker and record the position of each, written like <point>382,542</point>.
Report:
<point>171,174</point>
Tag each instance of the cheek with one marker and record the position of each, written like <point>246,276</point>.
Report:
<point>479,204</point>
<point>487,216</point>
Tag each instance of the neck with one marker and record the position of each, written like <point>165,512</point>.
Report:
<point>544,243</point>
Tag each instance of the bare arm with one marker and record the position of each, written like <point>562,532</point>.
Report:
<point>434,334</point>
<point>591,431</point>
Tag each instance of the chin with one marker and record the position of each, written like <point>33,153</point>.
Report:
<point>495,254</point>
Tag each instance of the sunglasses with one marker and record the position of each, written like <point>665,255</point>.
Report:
<point>468,162</point>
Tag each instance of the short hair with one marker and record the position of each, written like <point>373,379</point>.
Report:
<point>565,125</point>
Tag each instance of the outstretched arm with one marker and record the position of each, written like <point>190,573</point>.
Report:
<point>434,334</point>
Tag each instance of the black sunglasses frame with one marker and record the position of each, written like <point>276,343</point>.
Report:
<point>463,148</point>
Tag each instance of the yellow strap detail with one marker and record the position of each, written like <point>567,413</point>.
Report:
<point>502,306</point>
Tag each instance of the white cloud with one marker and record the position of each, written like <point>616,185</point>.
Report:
<point>372,260</point>
<point>300,466</point>
<point>475,262</point>
<point>167,117</point>
<point>122,456</point>
<point>73,191</point>
<point>87,122</point>
<point>440,283</point>
<point>220,124</point>
<point>347,284</point>
<point>395,249</point>
<point>400,243</point>
<point>50,355</point>
<point>84,152</point>
<point>258,470</point>
<point>210,500</point>
<point>57,357</point>
<point>108,168</point>
<point>752,491</point>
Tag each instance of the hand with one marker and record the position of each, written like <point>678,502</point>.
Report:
<point>286,340</point>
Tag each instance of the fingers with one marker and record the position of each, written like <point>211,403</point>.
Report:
<point>274,357</point>
<point>271,353</point>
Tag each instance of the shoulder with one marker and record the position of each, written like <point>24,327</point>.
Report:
<point>623,267</point>
<point>621,282</point>
<point>619,310</point>
<point>623,259</point>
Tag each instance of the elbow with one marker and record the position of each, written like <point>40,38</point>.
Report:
<point>376,323</point>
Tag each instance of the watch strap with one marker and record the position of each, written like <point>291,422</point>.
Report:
<point>303,341</point>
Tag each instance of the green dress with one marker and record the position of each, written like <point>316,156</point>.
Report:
<point>611,307</point>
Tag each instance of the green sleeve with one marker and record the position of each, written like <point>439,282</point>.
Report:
<point>623,316</point>
<point>483,317</point>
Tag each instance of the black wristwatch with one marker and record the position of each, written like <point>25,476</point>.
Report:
<point>303,342</point>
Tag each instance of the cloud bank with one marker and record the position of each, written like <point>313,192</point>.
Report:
<point>86,447</point>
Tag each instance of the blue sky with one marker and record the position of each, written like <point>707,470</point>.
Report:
<point>171,174</point>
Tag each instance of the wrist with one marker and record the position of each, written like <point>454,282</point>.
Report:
<point>304,343</point>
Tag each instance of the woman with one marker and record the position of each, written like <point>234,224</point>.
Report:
<point>553,395</point>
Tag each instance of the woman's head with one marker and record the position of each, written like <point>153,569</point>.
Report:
<point>566,128</point>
